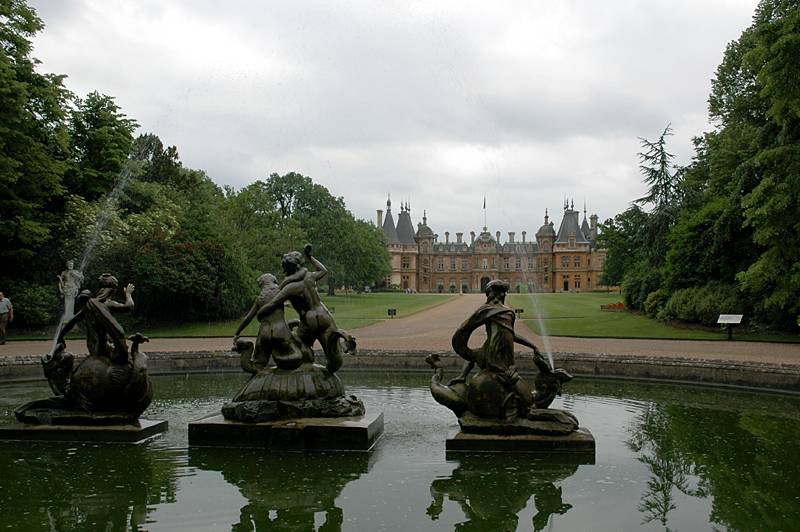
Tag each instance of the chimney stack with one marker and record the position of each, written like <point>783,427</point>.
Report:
<point>380,218</point>
<point>472,237</point>
<point>459,237</point>
<point>593,226</point>
<point>523,236</point>
<point>447,237</point>
<point>497,236</point>
<point>511,237</point>
<point>436,237</point>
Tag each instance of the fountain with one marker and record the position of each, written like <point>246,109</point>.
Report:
<point>672,455</point>
<point>102,397</point>
<point>496,409</point>
<point>295,404</point>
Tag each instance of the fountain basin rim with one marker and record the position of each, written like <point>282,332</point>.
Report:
<point>760,376</point>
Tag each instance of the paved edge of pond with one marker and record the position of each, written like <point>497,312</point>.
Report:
<point>771,376</point>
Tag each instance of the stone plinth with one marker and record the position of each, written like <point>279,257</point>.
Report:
<point>580,442</point>
<point>128,433</point>
<point>303,434</point>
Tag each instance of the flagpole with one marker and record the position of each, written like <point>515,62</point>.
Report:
<point>485,227</point>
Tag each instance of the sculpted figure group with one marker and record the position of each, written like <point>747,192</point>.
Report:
<point>111,384</point>
<point>296,386</point>
<point>498,400</point>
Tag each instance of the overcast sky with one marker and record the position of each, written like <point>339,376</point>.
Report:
<point>436,102</point>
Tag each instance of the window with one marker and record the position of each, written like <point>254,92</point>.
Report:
<point>531,263</point>
<point>406,263</point>
<point>464,265</point>
<point>572,241</point>
<point>453,265</point>
<point>519,263</point>
<point>505,263</point>
<point>576,261</point>
<point>577,283</point>
<point>440,264</point>
<point>564,261</point>
<point>485,264</point>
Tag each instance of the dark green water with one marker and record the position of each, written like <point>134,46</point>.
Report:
<point>682,458</point>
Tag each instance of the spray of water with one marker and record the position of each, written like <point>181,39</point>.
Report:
<point>540,322</point>
<point>109,204</point>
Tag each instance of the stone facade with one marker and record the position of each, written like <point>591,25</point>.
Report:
<point>563,261</point>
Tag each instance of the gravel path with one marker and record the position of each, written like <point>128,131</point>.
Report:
<point>432,329</point>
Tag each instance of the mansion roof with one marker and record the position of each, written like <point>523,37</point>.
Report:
<point>570,228</point>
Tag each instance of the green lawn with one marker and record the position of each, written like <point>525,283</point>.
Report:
<point>351,312</point>
<point>580,315</point>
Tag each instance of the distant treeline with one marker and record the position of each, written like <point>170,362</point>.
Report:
<point>722,235</point>
<point>192,249</point>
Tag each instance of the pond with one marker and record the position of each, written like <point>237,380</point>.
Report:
<point>686,458</point>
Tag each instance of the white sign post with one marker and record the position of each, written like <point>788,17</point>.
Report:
<point>730,320</point>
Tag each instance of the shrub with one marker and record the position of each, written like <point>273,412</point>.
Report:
<point>35,305</point>
<point>655,302</point>
<point>638,283</point>
<point>703,304</point>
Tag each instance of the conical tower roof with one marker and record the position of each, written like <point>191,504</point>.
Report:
<point>405,229</point>
<point>388,224</point>
<point>570,225</point>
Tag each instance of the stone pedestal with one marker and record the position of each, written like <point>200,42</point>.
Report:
<point>302,434</point>
<point>136,432</point>
<point>580,442</point>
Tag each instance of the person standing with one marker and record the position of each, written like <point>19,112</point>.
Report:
<point>6,316</point>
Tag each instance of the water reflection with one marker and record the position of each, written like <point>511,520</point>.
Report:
<point>493,490</point>
<point>289,491</point>
<point>727,455</point>
<point>61,486</point>
<point>687,458</point>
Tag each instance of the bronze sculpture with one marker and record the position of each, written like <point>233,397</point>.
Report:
<point>295,387</point>
<point>498,400</point>
<point>111,385</point>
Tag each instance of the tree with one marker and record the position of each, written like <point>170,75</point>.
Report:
<point>772,208</point>
<point>622,238</point>
<point>663,194</point>
<point>160,165</point>
<point>33,142</point>
<point>101,137</point>
<point>369,258</point>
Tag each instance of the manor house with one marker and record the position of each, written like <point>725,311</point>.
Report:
<point>564,261</point>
